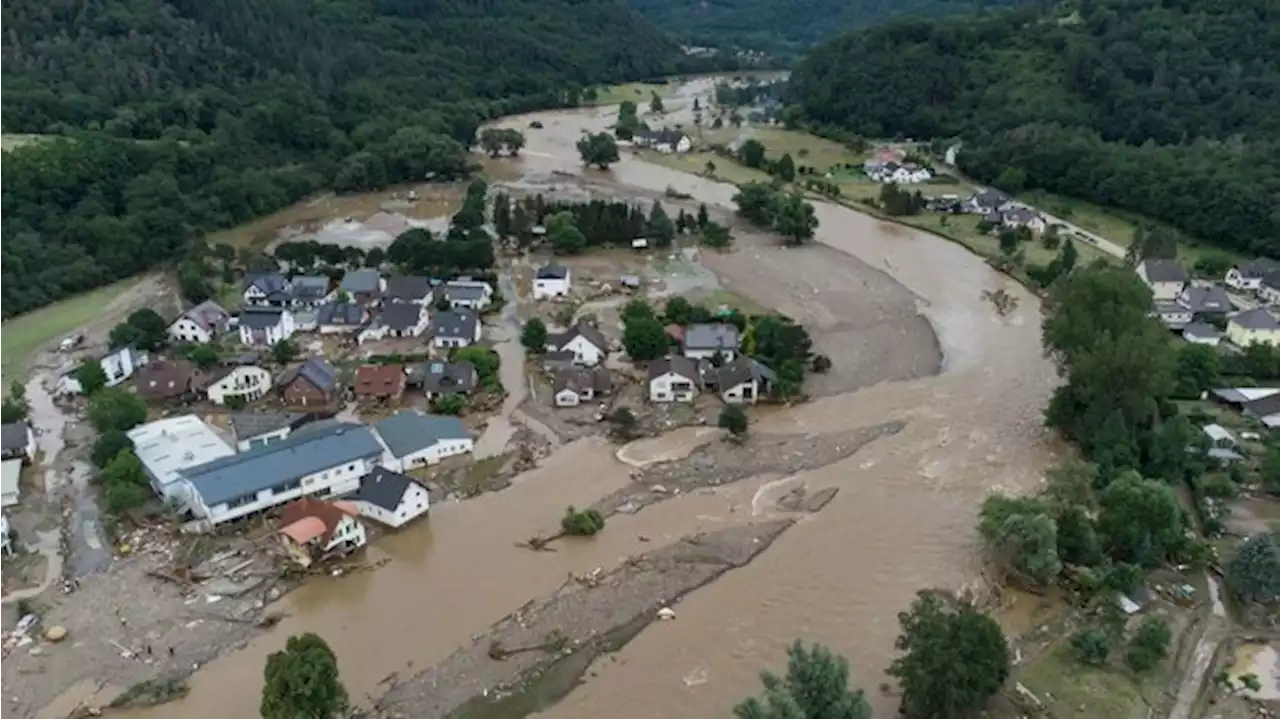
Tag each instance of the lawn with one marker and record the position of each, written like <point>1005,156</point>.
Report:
<point>1084,692</point>
<point>25,334</point>
<point>964,229</point>
<point>805,149</point>
<point>638,92</point>
<point>726,170</point>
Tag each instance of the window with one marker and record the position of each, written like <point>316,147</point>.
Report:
<point>288,486</point>
<point>241,501</point>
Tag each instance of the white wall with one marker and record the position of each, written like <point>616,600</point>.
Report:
<point>415,503</point>
<point>567,398</point>
<point>349,531</point>
<point>245,445</point>
<point>283,330</point>
<point>583,351</point>
<point>252,383</point>
<point>736,394</point>
<point>660,389</point>
<point>550,287</point>
<point>430,455</point>
<point>727,353</point>
<point>323,485</point>
<point>185,330</point>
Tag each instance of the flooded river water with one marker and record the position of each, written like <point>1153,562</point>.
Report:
<point>904,520</point>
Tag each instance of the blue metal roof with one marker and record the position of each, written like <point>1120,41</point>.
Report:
<point>410,431</point>
<point>280,462</point>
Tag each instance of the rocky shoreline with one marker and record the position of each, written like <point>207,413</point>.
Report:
<point>537,654</point>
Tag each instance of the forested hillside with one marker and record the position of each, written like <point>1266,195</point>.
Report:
<point>192,115</point>
<point>786,28</point>
<point>1169,108</point>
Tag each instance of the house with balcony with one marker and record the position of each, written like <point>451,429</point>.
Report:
<point>247,383</point>
<point>674,379</point>
<point>265,326</point>
<point>312,529</point>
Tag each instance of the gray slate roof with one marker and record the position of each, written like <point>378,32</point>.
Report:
<point>13,435</point>
<point>246,425</point>
<point>454,323</point>
<point>597,379</point>
<point>408,288</point>
<point>401,316</point>
<point>553,272</point>
<point>1258,268</point>
<point>310,288</point>
<point>1271,279</point>
<point>341,313</point>
<point>1021,215</point>
<point>587,332</point>
<point>437,376</point>
<point>744,369</point>
<point>316,371</point>
<point>281,462</point>
<point>1264,407</point>
<point>1256,319</point>
<point>1201,330</point>
<point>382,488</point>
<point>991,199</point>
<point>365,281</point>
<point>1161,270</point>
<point>682,366</point>
<point>208,315</point>
<point>455,291</point>
<point>260,318</point>
<point>711,337</point>
<point>410,431</point>
<point>269,282</point>
<point>1206,299</point>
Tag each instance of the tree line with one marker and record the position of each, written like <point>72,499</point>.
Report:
<point>182,119</point>
<point>1115,103</point>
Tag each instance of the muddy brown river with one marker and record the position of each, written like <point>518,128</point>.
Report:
<point>903,520</point>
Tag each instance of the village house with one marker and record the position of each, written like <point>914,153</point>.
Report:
<point>403,319</point>
<point>1172,314</point>
<point>1265,408</point>
<point>265,326</point>
<point>325,460</point>
<point>1201,333</point>
<point>705,341</point>
<point>167,379</point>
<point>438,377</point>
<point>364,286</point>
<point>267,289</point>
<point>899,174</point>
<point>665,141</point>
<point>587,344</point>
<point>313,382</point>
<point>465,294</point>
<point>552,281</point>
<point>987,201</point>
<point>17,441</point>
<point>313,528</point>
<point>10,482</point>
<point>1248,276</point>
<point>1205,300</point>
<point>380,382</point>
<point>1020,216</point>
<point>261,427</point>
<point>247,382</point>
<point>341,318</point>
<point>309,291</point>
<point>408,288</point>
<point>390,498</point>
<point>673,379</point>
<point>571,387</point>
<point>413,439</point>
<point>1269,288</point>
<point>744,380</point>
<point>455,328</point>
<point>168,446</point>
<point>200,324</point>
<point>1255,326</point>
<point>1166,278</point>
<point>118,365</point>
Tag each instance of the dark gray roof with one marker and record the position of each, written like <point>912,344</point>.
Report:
<point>1162,270</point>
<point>316,371</point>
<point>991,199</point>
<point>309,288</point>
<point>1271,279</point>
<point>209,315</point>
<point>1258,268</point>
<point>410,431</point>
<point>1263,407</point>
<point>553,272</point>
<point>382,488</point>
<point>1170,307</point>
<point>401,316</point>
<point>454,323</point>
<point>1020,215</point>
<point>711,337</point>
<point>341,313</point>
<point>577,380</point>
<point>366,280</point>
<point>587,332</point>
<point>281,462</point>
<point>13,435</point>
<point>408,288</point>
<point>259,318</point>
<point>682,366</point>
<point>744,369</point>
<point>246,425</point>
<point>664,135</point>
<point>1201,329</point>
<point>1256,319</point>
<point>1206,299</point>
<point>268,282</point>
<point>454,291</point>
<point>438,376</point>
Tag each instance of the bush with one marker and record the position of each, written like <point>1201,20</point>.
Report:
<point>1091,646</point>
<point>108,445</point>
<point>450,403</point>
<point>236,402</point>
<point>1149,645</point>
<point>733,419</point>
<point>581,524</point>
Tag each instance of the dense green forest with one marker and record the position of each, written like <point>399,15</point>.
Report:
<point>187,116</point>
<point>786,29</point>
<point>1169,108</point>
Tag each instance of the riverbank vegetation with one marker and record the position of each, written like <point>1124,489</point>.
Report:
<point>302,680</point>
<point>167,141</point>
<point>1108,102</point>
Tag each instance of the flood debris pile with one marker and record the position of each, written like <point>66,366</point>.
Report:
<point>545,645</point>
<point>720,463</point>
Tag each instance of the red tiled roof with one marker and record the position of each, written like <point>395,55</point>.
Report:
<point>378,380</point>
<point>308,519</point>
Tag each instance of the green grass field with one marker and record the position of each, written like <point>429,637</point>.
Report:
<point>638,92</point>
<point>1084,692</point>
<point>805,149</point>
<point>25,334</point>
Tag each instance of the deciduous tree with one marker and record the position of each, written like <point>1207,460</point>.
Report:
<point>816,686</point>
<point>1253,573</point>
<point>598,149</point>
<point>91,376</point>
<point>534,336</point>
<point>302,681</point>
<point>116,408</point>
